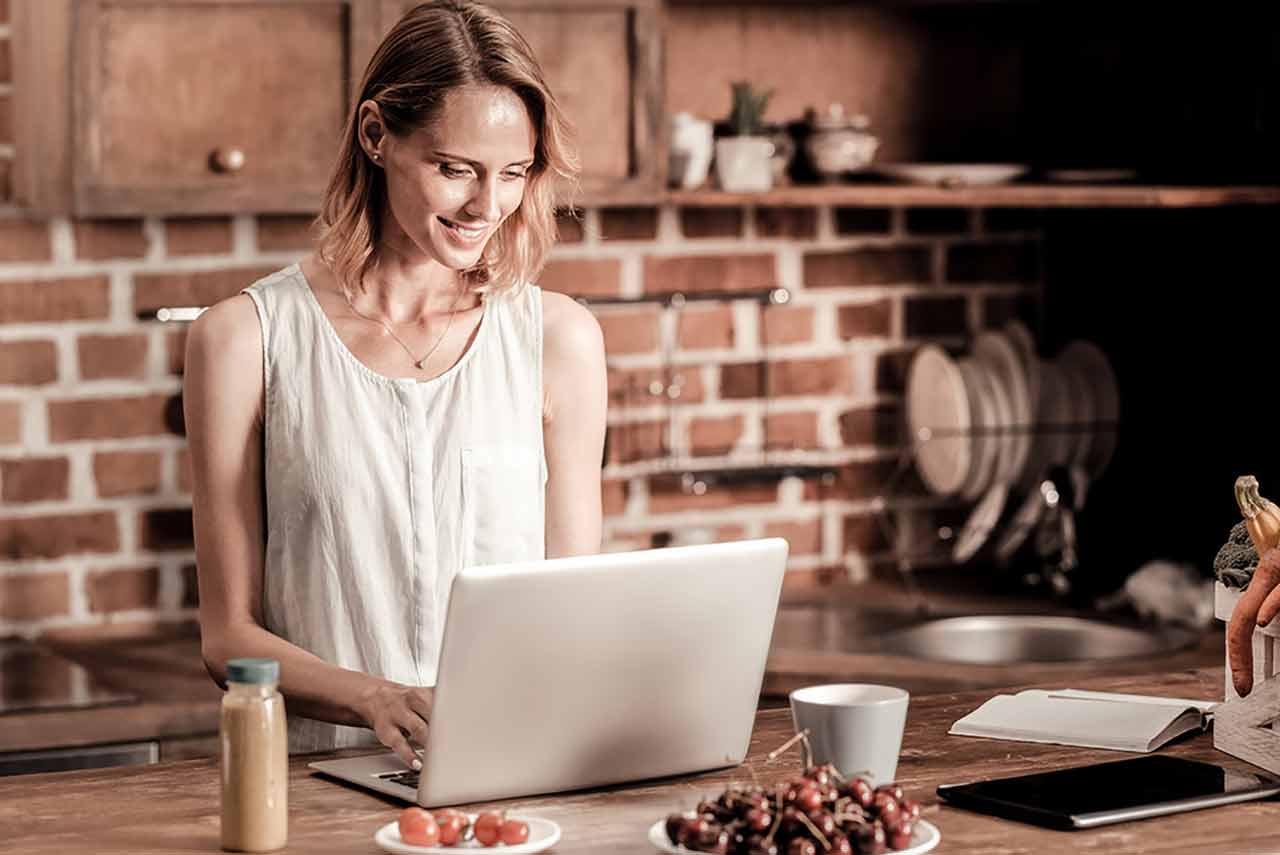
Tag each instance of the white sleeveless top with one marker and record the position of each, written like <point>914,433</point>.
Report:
<point>378,490</point>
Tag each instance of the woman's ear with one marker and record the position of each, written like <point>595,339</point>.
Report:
<point>370,130</point>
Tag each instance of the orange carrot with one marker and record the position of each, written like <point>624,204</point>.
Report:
<point>1248,615</point>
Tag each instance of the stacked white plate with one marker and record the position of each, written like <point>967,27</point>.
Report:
<point>990,424</point>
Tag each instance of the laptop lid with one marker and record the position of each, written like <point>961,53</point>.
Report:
<point>591,670</point>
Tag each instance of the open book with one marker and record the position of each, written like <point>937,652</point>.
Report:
<point>1088,719</point>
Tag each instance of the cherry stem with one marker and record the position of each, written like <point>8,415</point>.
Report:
<point>777,817</point>
<point>822,838</point>
<point>804,734</point>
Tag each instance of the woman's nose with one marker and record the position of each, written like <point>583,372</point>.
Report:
<point>484,205</point>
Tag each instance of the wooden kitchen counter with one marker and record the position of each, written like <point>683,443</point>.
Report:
<point>173,807</point>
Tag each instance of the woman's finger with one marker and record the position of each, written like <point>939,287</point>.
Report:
<point>421,700</point>
<point>390,736</point>
<point>413,724</point>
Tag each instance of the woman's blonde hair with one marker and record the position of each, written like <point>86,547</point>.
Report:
<point>436,48</point>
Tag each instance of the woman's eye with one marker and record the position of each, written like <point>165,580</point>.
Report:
<point>451,172</point>
<point>514,176</point>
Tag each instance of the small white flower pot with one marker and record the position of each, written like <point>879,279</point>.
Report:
<point>743,164</point>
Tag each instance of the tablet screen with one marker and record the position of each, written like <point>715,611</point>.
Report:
<point>1104,788</point>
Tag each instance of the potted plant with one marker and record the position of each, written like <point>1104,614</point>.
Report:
<point>743,159</point>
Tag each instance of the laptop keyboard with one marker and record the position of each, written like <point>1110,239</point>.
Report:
<point>408,778</point>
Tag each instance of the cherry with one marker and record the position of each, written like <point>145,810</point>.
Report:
<point>757,845</point>
<point>514,831</point>
<point>802,846</point>
<point>488,827</point>
<point>809,799</point>
<point>675,823</point>
<point>841,846</point>
<point>871,839</point>
<point>894,790</point>
<point>824,822</point>
<point>861,792</point>
<point>759,820</point>
<point>910,810</point>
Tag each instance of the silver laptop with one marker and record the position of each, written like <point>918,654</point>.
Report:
<point>579,672</point>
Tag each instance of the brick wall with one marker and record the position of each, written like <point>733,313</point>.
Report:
<point>95,522</point>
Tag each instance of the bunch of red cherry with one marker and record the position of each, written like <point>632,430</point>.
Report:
<point>449,827</point>
<point>819,812</point>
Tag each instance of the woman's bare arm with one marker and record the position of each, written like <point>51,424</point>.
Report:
<point>222,400</point>
<point>576,396</point>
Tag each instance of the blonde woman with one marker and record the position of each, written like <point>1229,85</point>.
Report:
<point>404,402</point>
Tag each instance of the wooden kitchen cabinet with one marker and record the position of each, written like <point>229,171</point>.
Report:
<point>603,62</point>
<point>125,107</point>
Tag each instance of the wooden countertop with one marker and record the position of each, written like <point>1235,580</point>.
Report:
<point>173,807</point>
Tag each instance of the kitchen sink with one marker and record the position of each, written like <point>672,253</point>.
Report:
<point>1006,639</point>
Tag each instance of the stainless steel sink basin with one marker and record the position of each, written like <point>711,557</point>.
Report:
<point>1006,639</point>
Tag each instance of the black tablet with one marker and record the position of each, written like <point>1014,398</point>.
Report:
<point>1089,796</point>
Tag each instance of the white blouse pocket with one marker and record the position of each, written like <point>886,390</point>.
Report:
<point>502,499</point>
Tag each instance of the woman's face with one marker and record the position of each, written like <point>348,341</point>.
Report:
<point>449,187</point>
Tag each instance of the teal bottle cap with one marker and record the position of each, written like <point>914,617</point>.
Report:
<point>253,671</point>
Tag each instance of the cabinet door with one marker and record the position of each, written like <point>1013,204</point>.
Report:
<point>188,106</point>
<point>603,63</point>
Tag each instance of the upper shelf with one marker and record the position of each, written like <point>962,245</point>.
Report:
<point>999,196</point>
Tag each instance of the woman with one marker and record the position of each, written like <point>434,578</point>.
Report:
<point>402,403</point>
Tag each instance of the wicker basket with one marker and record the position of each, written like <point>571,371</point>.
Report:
<point>1242,727</point>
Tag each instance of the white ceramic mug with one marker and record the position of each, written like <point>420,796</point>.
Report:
<point>857,727</point>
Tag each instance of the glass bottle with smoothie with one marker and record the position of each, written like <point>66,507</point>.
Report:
<point>254,758</point>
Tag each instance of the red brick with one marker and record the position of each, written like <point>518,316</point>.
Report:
<point>828,376</point>
<point>993,263</point>
<point>628,223</point>
<point>868,480</point>
<point>631,388</point>
<point>168,528</point>
<point>114,356</point>
<point>25,240</point>
<point>880,426</point>
<point>184,470</point>
<point>876,266</point>
<point>583,277</point>
<point>6,119</point>
<point>4,10</point>
<point>865,533</point>
<point>151,291</point>
<point>805,581</point>
<point>569,225</point>
<point>705,327</point>
<point>190,586</point>
<point>787,324</point>
<point>6,63</point>
<point>34,479</point>
<point>6,179</point>
<point>176,350</point>
<point>72,299</point>
<point>715,435</point>
<point>105,239</point>
<point>197,235</point>
<point>935,316</point>
<point>863,221</point>
<point>791,430</point>
<point>56,535</point>
<point>28,363</point>
<point>34,596</point>
<point>937,221</point>
<point>667,495</point>
<point>614,493</point>
<point>123,590</point>
<point>711,222</point>
<point>635,441</point>
<point>691,274</point>
<point>10,422</point>
<point>283,232</point>
<point>109,418</point>
<point>787,222</point>
<point>865,320</point>
<point>804,536</point>
<point>629,331</point>
<point>126,473</point>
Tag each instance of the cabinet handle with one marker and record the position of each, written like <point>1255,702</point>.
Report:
<point>226,159</point>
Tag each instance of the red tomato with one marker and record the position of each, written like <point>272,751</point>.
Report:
<point>418,828</point>
<point>514,831</point>
<point>452,823</point>
<point>487,825</point>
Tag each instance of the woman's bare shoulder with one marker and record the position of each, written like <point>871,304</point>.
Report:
<point>568,327</point>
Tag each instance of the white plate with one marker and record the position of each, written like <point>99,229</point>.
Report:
<point>543,834</point>
<point>1091,363</point>
<point>1084,411</point>
<point>1025,343</point>
<point>985,446</point>
<point>953,174</point>
<point>923,838</point>
<point>998,394</point>
<point>1000,355</point>
<point>936,399</point>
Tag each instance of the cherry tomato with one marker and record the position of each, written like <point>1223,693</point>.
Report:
<point>452,823</point>
<point>418,828</point>
<point>487,827</point>
<point>514,831</point>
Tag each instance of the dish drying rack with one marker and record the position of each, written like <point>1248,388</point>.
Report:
<point>1050,501</point>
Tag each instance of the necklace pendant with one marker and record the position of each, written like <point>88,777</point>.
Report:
<point>421,362</point>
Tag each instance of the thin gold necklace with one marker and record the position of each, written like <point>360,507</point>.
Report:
<point>420,363</point>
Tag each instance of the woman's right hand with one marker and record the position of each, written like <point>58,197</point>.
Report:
<point>398,714</point>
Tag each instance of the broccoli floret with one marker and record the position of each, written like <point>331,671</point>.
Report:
<point>1236,560</point>
<point>1240,535</point>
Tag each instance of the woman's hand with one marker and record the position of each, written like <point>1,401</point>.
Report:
<point>398,714</point>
